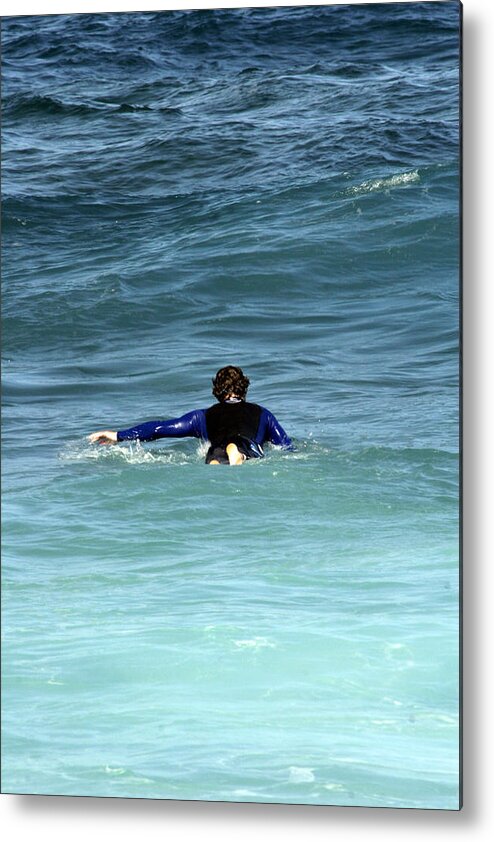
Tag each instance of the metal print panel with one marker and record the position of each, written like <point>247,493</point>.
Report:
<point>274,189</point>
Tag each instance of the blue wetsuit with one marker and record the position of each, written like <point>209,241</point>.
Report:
<point>247,425</point>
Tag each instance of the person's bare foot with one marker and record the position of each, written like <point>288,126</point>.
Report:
<point>234,455</point>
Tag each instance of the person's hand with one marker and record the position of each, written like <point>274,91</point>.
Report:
<point>103,437</point>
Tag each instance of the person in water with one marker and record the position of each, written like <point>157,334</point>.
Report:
<point>235,428</point>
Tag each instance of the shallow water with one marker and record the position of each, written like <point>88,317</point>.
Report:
<point>276,188</point>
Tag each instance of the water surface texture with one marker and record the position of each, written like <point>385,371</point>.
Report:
<point>275,188</point>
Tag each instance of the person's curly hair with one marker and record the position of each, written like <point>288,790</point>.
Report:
<point>230,380</point>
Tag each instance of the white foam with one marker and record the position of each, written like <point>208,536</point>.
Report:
<point>133,454</point>
<point>114,770</point>
<point>374,184</point>
<point>301,775</point>
<point>255,643</point>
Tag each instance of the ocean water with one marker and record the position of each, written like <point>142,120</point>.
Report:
<point>276,188</point>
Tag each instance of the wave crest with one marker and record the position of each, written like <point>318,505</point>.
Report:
<point>387,183</point>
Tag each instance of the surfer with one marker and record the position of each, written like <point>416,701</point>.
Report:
<point>235,428</point>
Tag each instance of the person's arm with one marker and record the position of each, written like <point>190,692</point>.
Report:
<point>274,432</point>
<point>191,424</point>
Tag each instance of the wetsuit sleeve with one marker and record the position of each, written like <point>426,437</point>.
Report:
<point>273,432</point>
<point>191,424</point>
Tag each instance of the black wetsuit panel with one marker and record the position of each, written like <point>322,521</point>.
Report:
<point>233,422</point>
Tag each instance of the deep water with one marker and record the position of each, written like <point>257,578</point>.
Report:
<point>276,188</point>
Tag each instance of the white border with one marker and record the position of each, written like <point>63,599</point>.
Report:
<point>40,7</point>
<point>77,819</point>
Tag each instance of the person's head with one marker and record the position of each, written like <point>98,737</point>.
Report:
<point>230,381</point>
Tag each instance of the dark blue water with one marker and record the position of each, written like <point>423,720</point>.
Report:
<point>276,188</point>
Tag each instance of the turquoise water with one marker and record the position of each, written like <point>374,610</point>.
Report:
<point>273,188</point>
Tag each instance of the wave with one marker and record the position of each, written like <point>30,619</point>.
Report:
<point>35,105</point>
<point>173,111</point>
<point>386,183</point>
<point>178,452</point>
<point>131,454</point>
